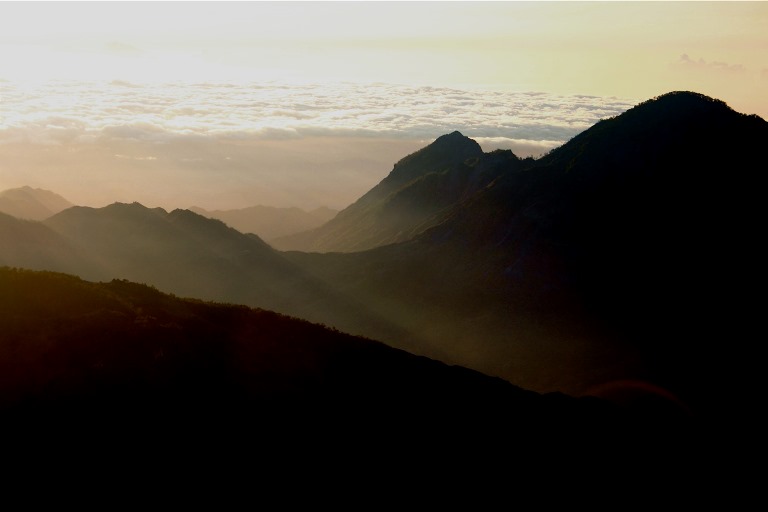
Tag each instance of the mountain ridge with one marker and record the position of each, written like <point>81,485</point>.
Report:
<point>404,203</point>
<point>610,250</point>
<point>615,258</point>
<point>31,203</point>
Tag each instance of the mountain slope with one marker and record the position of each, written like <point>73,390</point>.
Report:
<point>124,362</point>
<point>616,257</point>
<point>189,255</point>
<point>420,186</point>
<point>30,244</point>
<point>31,203</point>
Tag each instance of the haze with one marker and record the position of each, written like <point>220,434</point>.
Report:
<point>231,104</point>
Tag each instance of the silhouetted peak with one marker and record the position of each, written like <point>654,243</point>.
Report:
<point>32,203</point>
<point>453,136</point>
<point>682,106</point>
<point>446,151</point>
<point>687,97</point>
<point>455,140</point>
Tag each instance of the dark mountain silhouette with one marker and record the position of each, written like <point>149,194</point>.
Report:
<point>187,254</point>
<point>117,366</point>
<point>269,222</point>
<point>611,266</point>
<point>31,203</point>
<point>420,186</point>
<point>615,258</point>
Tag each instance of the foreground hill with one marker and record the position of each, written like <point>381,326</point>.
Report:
<point>31,203</point>
<point>116,362</point>
<point>269,222</point>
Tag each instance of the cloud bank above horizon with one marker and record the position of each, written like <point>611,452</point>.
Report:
<point>229,104</point>
<point>230,144</point>
<point>88,112</point>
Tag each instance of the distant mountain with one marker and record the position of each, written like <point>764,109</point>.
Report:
<point>30,244</point>
<point>405,203</point>
<point>189,255</point>
<point>106,367</point>
<point>269,222</point>
<point>31,203</point>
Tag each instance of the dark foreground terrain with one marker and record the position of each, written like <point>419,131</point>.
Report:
<point>117,368</point>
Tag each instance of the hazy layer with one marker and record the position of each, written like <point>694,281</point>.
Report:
<point>229,145</point>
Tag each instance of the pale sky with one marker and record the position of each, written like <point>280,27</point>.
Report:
<point>482,56</point>
<point>628,49</point>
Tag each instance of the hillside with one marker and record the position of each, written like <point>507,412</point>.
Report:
<point>31,203</point>
<point>403,204</point>
<point>616,257</point>
<point>138,362</point>
<point>189,255</point>
<point>30,244</point>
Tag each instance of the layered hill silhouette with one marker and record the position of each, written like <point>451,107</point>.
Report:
<point>193,256</point>
<point>31,203</point>
<point>269,222</point>
<point>114,364</point>
<point>616,257</point>
<point>609,267</point>
<point>408,201</point>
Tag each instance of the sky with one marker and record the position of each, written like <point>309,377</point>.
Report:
<point>230,104</point>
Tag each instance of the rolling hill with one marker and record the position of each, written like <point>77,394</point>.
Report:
<point>189,255</point>
<point>101,366</point>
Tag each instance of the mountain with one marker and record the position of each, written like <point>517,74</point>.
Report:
<point>614,266</point>
<point>403,204</point>
<point>268,222</point>
<point>31,203</point>
<point>112,367</point>
<point>189,255</point>
<point>614,261</point>
<point>32,245</point>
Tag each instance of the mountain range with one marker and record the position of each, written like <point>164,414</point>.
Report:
<point>31,203</point>
<point>611,267</point>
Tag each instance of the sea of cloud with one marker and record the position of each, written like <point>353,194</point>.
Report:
<point>273,139</point>
<point>55,112</point>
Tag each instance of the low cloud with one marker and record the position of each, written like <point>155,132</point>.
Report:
<point>230,145</point>
<point>520,147</point>
<point>126,110</point>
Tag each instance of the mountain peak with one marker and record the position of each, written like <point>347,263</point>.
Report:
<point>454,135</point>
<point>684,105</point>
<point>445,152</point>
<point>31,203</point>
<point>456,138</point>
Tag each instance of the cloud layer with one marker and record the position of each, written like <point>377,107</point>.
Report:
<point>232,145</point>
<point>65,112</point>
